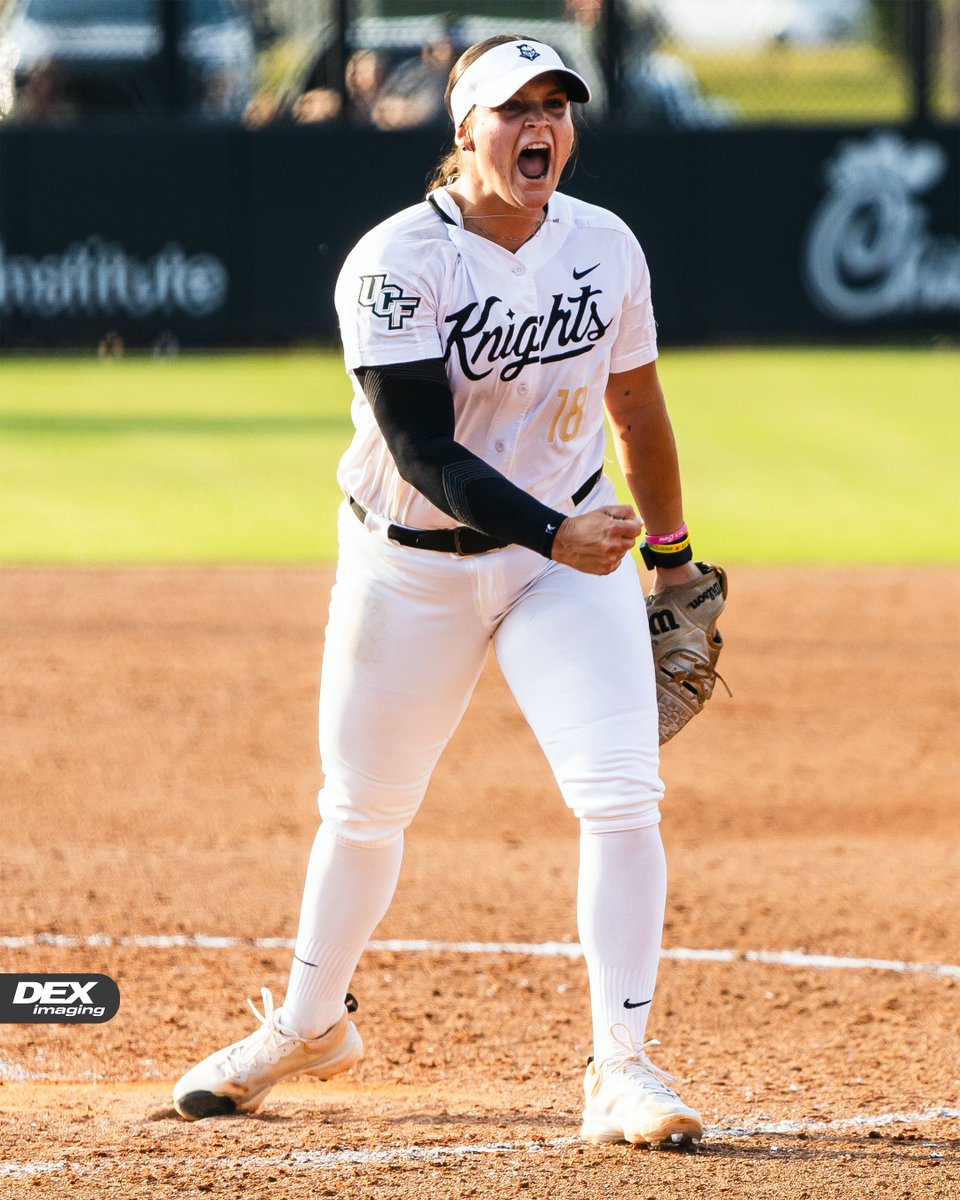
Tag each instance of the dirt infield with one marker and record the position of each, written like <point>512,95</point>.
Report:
<point>158,770</point>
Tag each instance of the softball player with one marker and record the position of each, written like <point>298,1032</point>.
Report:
<point>485,331</point>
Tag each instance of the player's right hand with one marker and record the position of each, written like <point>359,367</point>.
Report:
<point>595,542</point>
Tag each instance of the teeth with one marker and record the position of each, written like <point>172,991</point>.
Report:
<point>537,146</point>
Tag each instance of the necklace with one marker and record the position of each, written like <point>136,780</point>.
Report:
<point>518,240</point>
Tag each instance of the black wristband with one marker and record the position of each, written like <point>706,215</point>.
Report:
<point>654,557</point>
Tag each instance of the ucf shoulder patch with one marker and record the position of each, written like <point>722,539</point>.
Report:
<point>387,300</point>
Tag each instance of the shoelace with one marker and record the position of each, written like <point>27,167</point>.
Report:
<point>244,1053</point>
<point>633,1058</point>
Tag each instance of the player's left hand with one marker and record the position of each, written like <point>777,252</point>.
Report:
<point>686,643</point>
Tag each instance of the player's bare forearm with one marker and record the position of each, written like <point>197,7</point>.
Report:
<point>647,452</point>
<point>645,446</point>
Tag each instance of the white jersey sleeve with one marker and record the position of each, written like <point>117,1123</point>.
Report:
<point>386,298</point>
<point>636,342</point>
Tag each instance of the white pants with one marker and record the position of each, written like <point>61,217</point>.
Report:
<point>407,638</point>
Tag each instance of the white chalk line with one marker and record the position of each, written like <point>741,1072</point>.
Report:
<point>571,950</point>
<point>330,1159</point>
<point>12,1071</point>
<point>841,1125</point>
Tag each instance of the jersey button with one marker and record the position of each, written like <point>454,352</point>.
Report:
<point>519,269</point>
<point>522,389</point>
<point>500,445</point>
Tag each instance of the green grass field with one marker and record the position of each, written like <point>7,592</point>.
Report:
<point>789,456</point>
<point>855,82</point>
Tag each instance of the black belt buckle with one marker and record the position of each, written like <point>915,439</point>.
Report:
<point>457,544</point>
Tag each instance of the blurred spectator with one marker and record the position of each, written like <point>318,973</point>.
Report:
<point>261,110</point>
<point>584,12</point>
<point>363,79</point>
<point>366,71</point>
<point>663,89</point>
<point>413,94</point>
<point>45,95</point>
<point>315,106</point>
<point>647,84</point>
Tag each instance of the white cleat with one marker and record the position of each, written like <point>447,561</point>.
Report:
<point>628,1100</point>
<point>237,1078</point>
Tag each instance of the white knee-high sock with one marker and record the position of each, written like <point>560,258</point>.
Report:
<point>620,906</point>
<point>348,890</point>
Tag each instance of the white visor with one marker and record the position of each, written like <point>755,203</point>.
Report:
<point>496,75</point>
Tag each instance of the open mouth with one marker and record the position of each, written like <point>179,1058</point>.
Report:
<point>534,161</point>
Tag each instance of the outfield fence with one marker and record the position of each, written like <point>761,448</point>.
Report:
<point>190,235</point>
<point>790,166</point>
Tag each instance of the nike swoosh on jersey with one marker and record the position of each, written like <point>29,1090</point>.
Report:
<point>580,274</point>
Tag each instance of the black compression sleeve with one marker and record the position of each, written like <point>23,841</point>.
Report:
<point>413,406</point>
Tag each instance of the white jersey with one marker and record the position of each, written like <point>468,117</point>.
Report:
<point>529,340</point>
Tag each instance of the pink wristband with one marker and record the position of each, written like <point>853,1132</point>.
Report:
<point>663,539</point>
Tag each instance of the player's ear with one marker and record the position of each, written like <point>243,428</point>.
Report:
<point>464,138</point>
